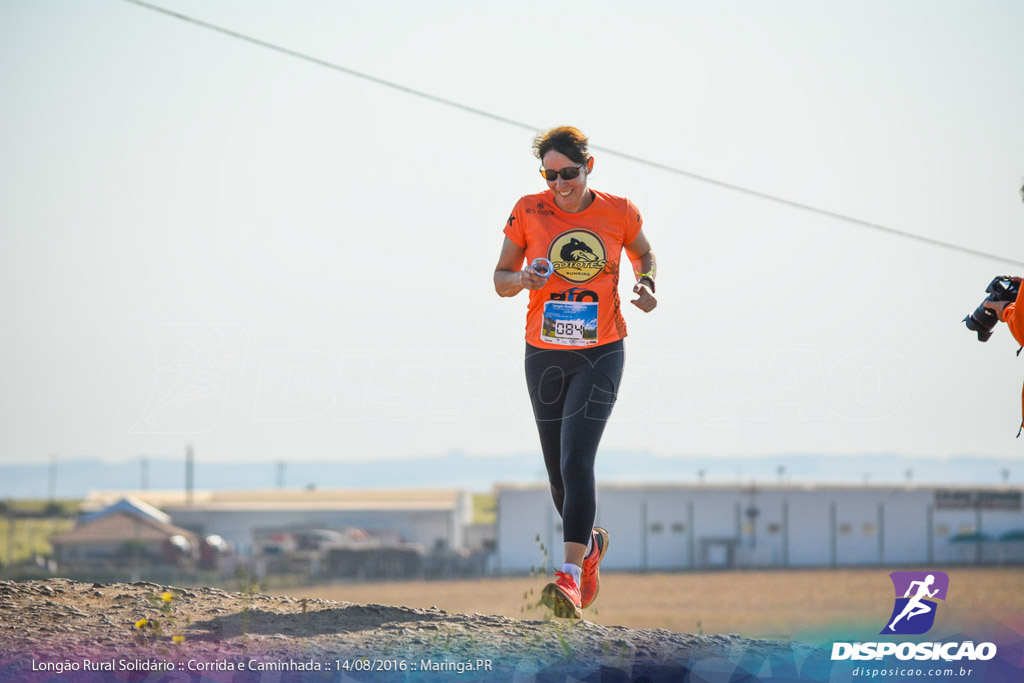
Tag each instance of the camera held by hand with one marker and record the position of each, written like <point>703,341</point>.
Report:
<point>983,320</point>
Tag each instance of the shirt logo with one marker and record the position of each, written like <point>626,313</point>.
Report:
<point>574,294</point>
<point>578,255</point>
<point>541,210</point>
<point>914,612</point>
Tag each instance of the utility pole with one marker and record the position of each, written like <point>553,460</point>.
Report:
<point>52,487</point>
<point>190,465</point>
<point>9,555</point>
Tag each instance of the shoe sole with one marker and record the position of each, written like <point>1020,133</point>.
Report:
<point>560,603</point>
<point>605,538</point>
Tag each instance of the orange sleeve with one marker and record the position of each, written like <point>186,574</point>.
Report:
<point>1013,321</point>
<point>634,222</point>
<point>514,229</point>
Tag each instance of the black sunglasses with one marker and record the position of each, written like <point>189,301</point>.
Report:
<point>567,173</point>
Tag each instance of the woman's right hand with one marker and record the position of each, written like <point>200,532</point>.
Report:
<point>530,280</point>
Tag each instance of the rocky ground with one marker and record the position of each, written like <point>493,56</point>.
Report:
<point>65,630</point>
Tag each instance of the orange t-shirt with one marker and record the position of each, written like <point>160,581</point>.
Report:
<point>1014,318</point>
<point>580,305</point>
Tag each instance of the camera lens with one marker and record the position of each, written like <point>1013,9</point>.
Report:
<point>981,321</point>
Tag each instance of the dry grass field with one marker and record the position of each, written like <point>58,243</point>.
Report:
<point>20,539</point>
<point>805,605</point>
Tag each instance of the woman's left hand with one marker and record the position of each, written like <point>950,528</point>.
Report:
<point>645,300</point>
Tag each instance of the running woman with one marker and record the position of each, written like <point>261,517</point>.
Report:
<point>570,239</point>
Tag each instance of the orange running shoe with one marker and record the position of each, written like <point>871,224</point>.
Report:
<point>590,581</point>
<point>563,596</point>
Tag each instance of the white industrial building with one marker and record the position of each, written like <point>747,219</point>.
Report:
<point>695,527</point>
<point>432,518</point>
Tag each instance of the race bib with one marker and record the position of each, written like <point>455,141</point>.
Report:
<point>569,323</point>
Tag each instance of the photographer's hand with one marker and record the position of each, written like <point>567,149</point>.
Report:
<point>996,307</point>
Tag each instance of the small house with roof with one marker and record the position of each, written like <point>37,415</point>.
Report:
<point>126,533</point>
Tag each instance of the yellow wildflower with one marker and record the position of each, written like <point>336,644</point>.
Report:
<point>178,639</point>
<point>167,596</point>
<point>141,623</point>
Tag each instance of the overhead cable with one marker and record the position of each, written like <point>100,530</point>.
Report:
<point>519,124</point>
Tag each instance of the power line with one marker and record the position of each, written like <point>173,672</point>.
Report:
<point>331,65</point>
<point>623,155</point>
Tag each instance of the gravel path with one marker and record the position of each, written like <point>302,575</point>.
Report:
<point>66,630</point>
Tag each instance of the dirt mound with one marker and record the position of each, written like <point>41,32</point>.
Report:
<point>67,630</point>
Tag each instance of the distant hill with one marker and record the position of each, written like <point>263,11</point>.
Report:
<point>76,477</point>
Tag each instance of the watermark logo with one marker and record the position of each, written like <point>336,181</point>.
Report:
<point>913,613</point>
<point>916,593</point>
<point>195,366</point>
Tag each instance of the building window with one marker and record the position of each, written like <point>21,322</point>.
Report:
<point>868,529</point>
<point>942,529</point>
<point>656,528</point>
<point>966,529</point>
<point>774,528</point>
<point>678,528</point>
<point>845,528</point>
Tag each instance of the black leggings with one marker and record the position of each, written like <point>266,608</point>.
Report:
<point>573,392</point>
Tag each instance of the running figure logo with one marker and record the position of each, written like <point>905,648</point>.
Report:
<point>914,612</point>
<point>196,365</point>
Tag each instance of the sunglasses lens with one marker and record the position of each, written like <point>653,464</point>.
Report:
<point>567,173</point>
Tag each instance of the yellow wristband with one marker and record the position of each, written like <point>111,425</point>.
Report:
<point>646,276</point>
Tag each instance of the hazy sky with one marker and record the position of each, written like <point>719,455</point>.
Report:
<point>207,242</point>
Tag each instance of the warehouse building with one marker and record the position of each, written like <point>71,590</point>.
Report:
<point>700,527</point>
<point>432,518</point>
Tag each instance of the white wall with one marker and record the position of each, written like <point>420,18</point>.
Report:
<point>666,527</point>
<point>237,526</point>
